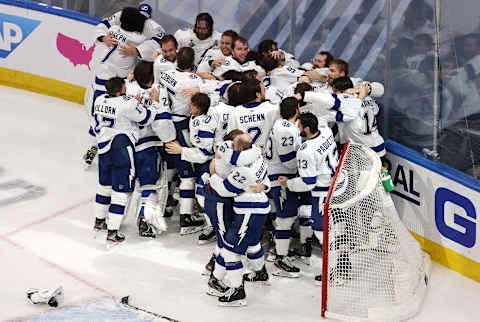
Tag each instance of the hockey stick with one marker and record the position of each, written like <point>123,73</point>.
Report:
<point>124,301</point>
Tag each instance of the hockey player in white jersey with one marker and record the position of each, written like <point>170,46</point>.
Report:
<point>201,38</point>
<point>280,152</point>
<point>126,35</point>
<point>167,57</point>
<point>269,47</point>
<point>221,112</point>
<point>216,56</point>
<point>257,116</point>
<point>244,235</point>
<point>355,114</point>
<point>317,161</point>
<point>281,75</point>
<point>321,60</point>
<point>202,133</point>
<point>115,121</point>
<point>238,60</point>
<point>151,137</point>
<point>175,81</point>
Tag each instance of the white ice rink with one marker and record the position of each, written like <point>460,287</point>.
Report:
<point>46,240</point>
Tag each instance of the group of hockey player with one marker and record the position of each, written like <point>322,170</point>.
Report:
<point>252,138</point>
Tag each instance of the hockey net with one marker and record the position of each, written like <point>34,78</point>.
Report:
<point>373,269</point>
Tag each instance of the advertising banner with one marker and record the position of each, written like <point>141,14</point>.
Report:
<point>439,206</point>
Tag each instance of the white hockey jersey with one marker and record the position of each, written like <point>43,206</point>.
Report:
<point>175,81</point>
<point>112,116</point>
<point>227,158</point>
<point>162,129</point>
<point>188,38</point>
<point>221,112</point>
<point>317,160</point>
<point>281,150</point>
<point>284,76</point>
<point>202,134</point>
<point>212,54</point>
<point>232,64</point>
<point>255,119</point>
<point>162,65</point>
<point>237,185</point>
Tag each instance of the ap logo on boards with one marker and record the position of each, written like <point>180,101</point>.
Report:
<point>13,31</point>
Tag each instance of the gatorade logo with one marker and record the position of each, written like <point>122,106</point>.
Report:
<point>455,217</point>
<point>13,31</point>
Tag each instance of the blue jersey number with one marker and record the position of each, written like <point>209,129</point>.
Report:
<point>254,132</point>
<point>103,121</point>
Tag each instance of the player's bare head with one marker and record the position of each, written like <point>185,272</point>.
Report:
<point>302,88</point>
<point>269,63</point>
<point>242,142</point>
<point>266,46</point>
<point>199,104</point>
<point>289,108</point>
<point>203,25</point>
<point>226,42</point>
<point>249,74</point>
<point>233,75</point>
<point>323,59</point>
<point>337,68</point>
<point>185,58</point>
<point>308,124</point>
<point>232,135</point>
<point>132,19</point>
<point>240,49</point>
<point>251,90</point>
<point>169,47</point>
<point>143,73</point>
<point>115,86</point>
<point>341,84</point>
<point>234,94</point>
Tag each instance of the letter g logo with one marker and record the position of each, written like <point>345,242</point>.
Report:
<point>455,217</point>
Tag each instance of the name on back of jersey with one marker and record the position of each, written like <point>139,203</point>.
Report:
<point>118,36</point>
<point>252,118</point>
<point>324,147</point>
<point>167,78</point>
<point>104,109</point>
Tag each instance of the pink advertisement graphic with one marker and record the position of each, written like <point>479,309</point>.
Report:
<point>76,52</point>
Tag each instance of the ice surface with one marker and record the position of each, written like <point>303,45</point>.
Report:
<point>46,240</point>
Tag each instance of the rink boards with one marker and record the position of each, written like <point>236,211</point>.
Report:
<point>439,206</point>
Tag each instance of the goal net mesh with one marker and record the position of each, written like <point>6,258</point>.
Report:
<point>373,268</point>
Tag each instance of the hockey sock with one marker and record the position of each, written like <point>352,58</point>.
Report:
<point>219,271</point>
<point>117,209</point>
<point>282,234</point>
<point>186,195</point>
<point>305,230</point>
<point>102,201</point>
<point>234,268</point>
<point>255,257</point>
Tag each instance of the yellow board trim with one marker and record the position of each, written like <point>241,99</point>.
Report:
<point>449,258</point>
<point>42,85</point>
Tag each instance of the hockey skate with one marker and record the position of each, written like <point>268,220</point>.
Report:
<point>216,287</point>
<point>89,156</point>
<point>304,253</point>
<point>52,297</point>
<point>188,225</point>
<point>210,266</point>
<point>285,268</point>
<point>114,238</point>
<point>260,276</point>
<point>234,296</point>
<point>99,227</point>
<point>144,228</point>
<point>207,236</point>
